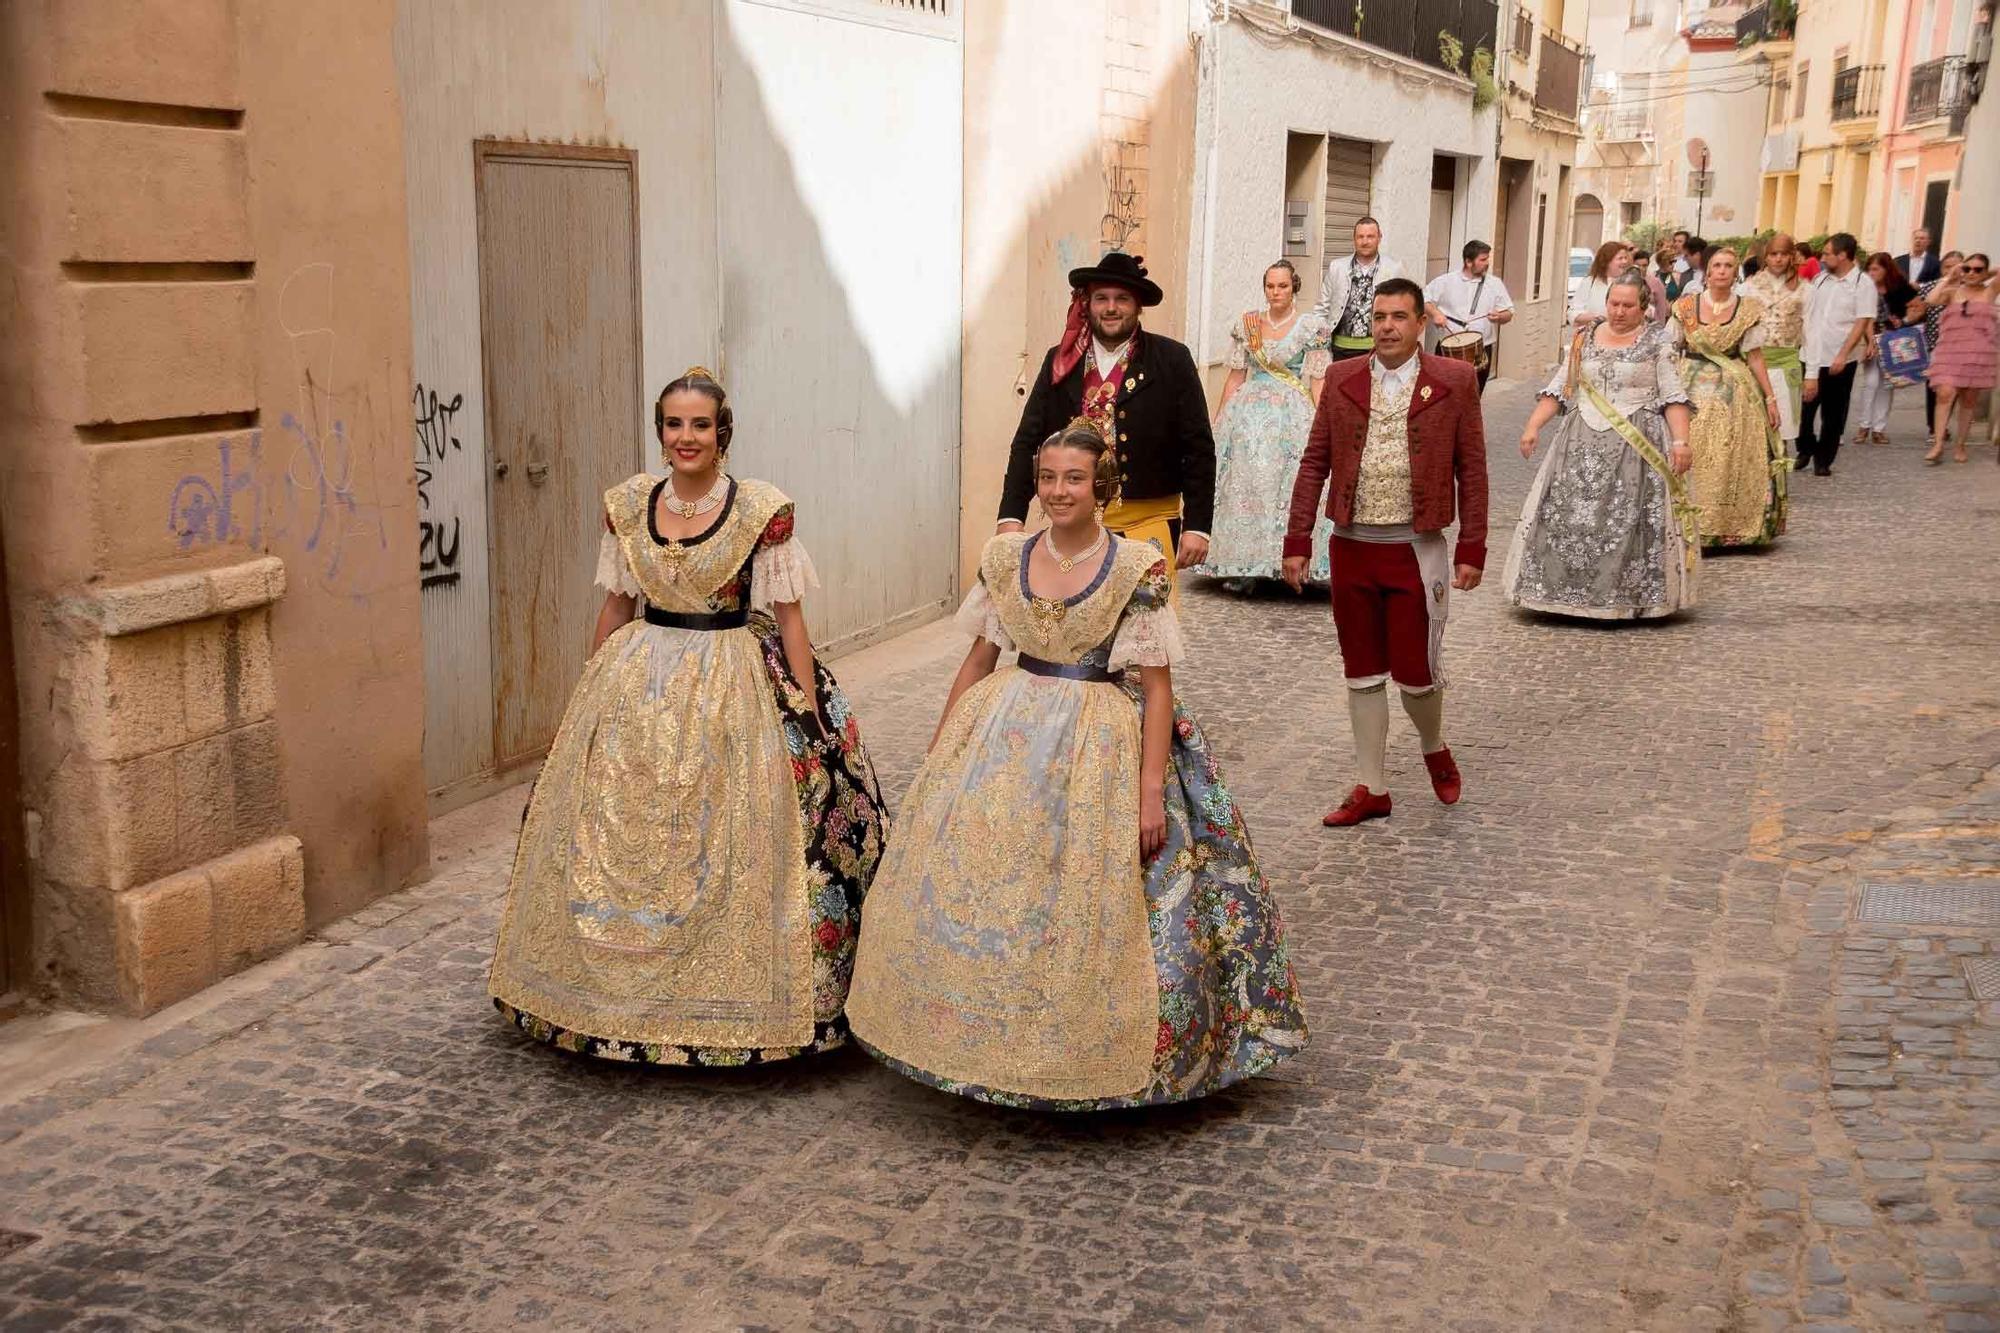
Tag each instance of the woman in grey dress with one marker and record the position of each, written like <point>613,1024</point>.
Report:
<point>1608,531</point>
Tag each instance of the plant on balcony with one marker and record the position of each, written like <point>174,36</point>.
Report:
<point>1784,17</point>
<point>1485,89</point>
<point>1451,51</point>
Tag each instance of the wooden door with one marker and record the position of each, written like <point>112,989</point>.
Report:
<point>559,335</point>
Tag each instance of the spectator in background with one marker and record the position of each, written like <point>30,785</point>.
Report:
<point>1920,265</point>
<point>1947,269</point>
<point>1895,304</point>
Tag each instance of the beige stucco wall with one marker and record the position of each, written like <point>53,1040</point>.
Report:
<point>1039,176</point>
<point>206,495</point>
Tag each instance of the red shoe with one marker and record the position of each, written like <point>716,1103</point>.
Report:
<point>1445,779</point>
<point>1360,804</point>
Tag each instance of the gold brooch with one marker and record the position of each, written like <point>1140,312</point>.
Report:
<point>1048,613</point>
<point>1425,393</point>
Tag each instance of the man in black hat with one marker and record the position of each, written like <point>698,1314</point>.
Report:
<point>1143,392</point>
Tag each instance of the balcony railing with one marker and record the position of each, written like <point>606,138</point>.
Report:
<point>1558,76</point>
<point>1409,28</point>
<point>1759,24</point>
<point>1523,40</point>
<point>1632,124</point>
<point>1857,93</point>
<point>1937,89</point>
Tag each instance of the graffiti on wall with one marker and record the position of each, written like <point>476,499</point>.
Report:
<point>437,531</point>
<point>1123,205</point>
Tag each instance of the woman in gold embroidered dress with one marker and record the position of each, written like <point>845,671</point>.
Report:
<point>1070,915</point>
<point>1740,465</point>
<point>690,872</point>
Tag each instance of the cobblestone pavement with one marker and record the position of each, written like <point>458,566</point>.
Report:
<point>1684,1019</point>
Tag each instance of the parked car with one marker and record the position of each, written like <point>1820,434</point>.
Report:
<point>1579,269</point>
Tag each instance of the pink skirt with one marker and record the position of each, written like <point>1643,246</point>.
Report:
<point>1968,350</point>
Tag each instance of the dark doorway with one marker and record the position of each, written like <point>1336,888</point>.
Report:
<point>1936,195</point>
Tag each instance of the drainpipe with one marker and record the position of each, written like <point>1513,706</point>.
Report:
<point>1211,183</point>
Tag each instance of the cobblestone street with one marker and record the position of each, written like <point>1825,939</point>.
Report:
<point>1688,1017</point>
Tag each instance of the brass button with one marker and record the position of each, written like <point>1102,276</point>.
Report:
<point>1121,414</point>
<point>1123,437</point>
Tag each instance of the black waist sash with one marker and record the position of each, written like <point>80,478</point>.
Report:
<point>1035,666</point>
<point>688,620</point>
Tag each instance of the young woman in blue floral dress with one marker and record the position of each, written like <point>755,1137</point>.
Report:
<point>1069,915</point>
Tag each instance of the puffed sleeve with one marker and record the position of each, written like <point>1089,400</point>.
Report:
<point>1755,339</point>
<point>1150,633</point>
<point>614,573</point>
<point>780,569</point>
<point>1558,385</point>
<point>1238,355</point>
<point>1667,370</point>
<point>980,619</point>
<point>1319,347</point>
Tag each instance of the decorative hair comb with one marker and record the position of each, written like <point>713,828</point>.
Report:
<point>699,373</point>
<point>1084,423</point>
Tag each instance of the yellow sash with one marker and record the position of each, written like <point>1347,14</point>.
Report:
<point>1253,329</point>
<point>1685,510</point>
<point>1147,521</point>
<point>1348,344</point>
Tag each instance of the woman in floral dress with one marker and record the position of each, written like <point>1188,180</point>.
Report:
<point>1277,358</point>
<point>1070,916</point>
<point>1608,531</point>
<point>1740,465</point>
<point>690,872</point>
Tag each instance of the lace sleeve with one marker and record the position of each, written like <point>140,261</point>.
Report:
<point>781,573</point>
<point>1319,349</point>
<point>613,574</point>
<point>980,619</point>
<point>1148,638</point>
<point>1667,370</point>
<point>1238,355</point>
<point>1558,385</point>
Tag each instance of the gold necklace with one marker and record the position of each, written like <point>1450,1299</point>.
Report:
<point>1068,562</point>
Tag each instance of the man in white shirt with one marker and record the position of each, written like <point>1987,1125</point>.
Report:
<point>1347,297</point>
<point>1840,318</point>
<point>1471,300</point>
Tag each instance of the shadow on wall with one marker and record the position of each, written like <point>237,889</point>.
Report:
<point>842,366</point>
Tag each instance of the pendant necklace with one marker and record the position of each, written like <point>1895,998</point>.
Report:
<point>694,508</point>
<point>1068,562</point>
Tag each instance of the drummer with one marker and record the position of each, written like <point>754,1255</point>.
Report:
<point>1470,301</point>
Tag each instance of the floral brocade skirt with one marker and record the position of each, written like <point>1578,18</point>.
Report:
<point>690,804</point>
<point>1055,971</point>
<point>1259,440</point>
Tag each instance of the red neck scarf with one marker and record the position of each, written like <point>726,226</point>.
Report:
<point>1075,340</point>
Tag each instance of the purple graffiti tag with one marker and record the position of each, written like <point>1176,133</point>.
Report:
<point>320,498</point>
<point>204,511</point>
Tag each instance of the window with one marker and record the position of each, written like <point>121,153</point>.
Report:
<point>1799,93</point>
<point>1781,99</point>
<point>1642,14</point>
<point>1541,241</point>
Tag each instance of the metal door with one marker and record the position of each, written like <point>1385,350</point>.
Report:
<point>1350,180</point>
<point>559,336</point>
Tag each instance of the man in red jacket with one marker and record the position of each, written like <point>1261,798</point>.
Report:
<point>1399,437</point>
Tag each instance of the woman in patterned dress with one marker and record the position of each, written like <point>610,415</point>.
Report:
<point>1070,916</point>
<point>1963,368</point>
<point>1277,359</point>
<point>1608,531</point>
<point>690,872</point>
<point>1740,466</point>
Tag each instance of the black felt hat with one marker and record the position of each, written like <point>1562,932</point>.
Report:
<point>1118,269</point>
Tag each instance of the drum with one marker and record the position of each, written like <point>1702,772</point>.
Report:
<point>1469,347</point>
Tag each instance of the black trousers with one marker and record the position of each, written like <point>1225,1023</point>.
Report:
<point>1348,353</point>
<point>1824,420</point>
<point>1485,372</point>
<point>1930,409</point>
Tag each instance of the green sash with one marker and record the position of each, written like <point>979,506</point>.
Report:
<point>1347,344</point>
<point>1686,512</point>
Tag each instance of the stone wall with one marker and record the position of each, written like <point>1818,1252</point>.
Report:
<point>207,485</point>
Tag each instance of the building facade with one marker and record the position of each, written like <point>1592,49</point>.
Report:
<point>1824,118</point>
<point>1932,67</point>
<point>1311,116</point>
<point>1543,63</point>
<point>210,526</point>
<point>1665,141</point>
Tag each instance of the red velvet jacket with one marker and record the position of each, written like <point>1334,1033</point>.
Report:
<point>1447,445</point>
